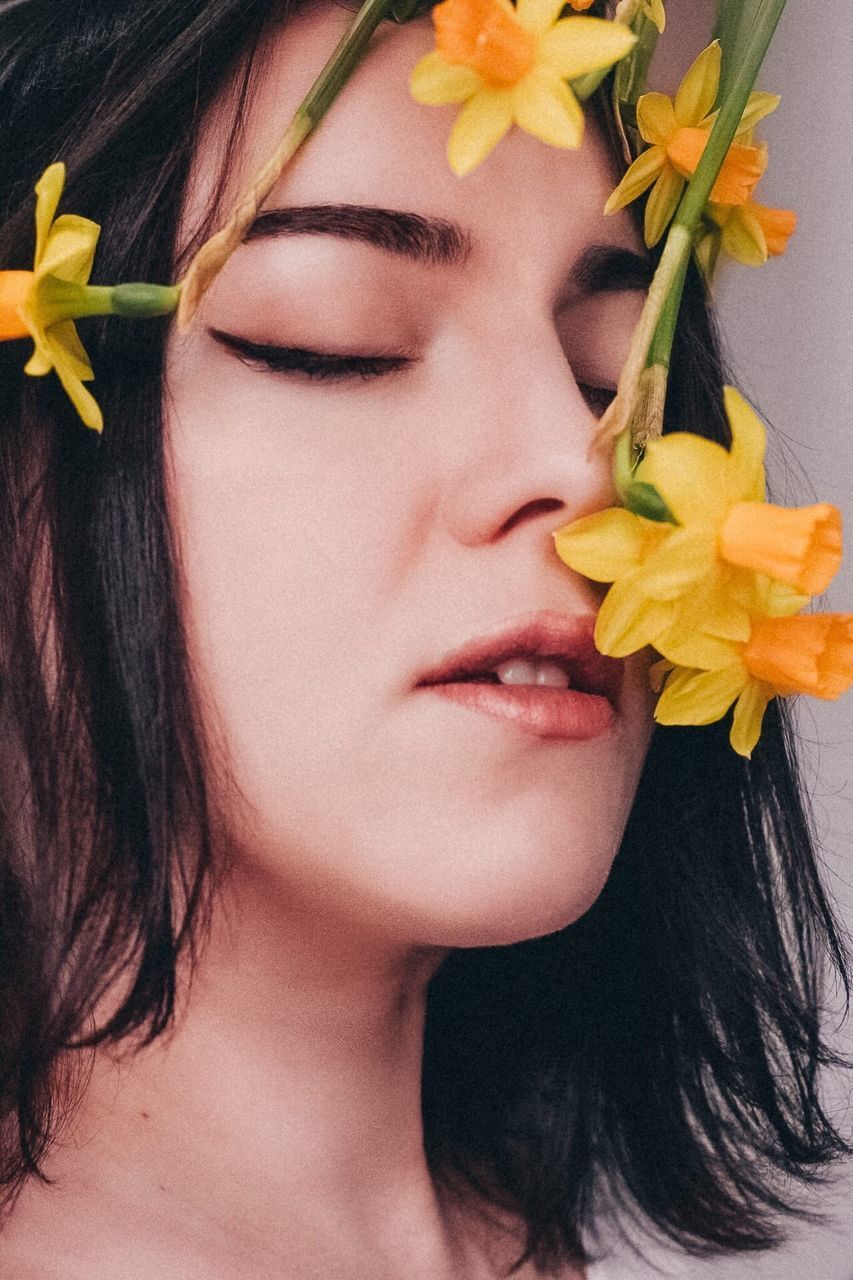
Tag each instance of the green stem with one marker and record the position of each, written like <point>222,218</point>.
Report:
<point>699,188</point>
<point>726,124</point>
<point>629,81</point>
<point>347,55</point>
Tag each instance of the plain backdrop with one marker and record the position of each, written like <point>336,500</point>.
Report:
<point>788,330</point>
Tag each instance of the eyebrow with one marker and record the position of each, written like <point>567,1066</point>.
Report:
<point>601,268</point>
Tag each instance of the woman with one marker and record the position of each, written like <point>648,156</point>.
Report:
<point>318,961</point>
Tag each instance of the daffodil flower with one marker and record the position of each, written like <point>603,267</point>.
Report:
<point>678,132</point>
<point>44,303</point>
<point>35,302</point>
<point>704,570</point>
<point>809,653</point>
<point>751,233</point>
<point>510,65</point>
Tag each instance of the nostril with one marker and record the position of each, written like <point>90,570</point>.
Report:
<point>530,510</point>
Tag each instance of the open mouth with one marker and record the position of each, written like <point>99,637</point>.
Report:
<point>544,676</point>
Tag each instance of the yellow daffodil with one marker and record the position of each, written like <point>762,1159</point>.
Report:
<point>510,65</point>
<point>750,233</point>
<point>37,302</point>
<point>678,131</point>
<point>809,653</point>
<point>701,571</point>
<point>628,10</point>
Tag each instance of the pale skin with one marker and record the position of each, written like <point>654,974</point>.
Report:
<point>338,538</point>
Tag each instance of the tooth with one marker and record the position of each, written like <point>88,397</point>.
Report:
<point>517,671</point>
<point>528,671</point>
<point>551,673</point>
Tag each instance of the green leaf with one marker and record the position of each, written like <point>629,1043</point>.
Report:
<point>645,500</point>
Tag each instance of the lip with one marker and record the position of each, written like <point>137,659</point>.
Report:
<point>587,709</point>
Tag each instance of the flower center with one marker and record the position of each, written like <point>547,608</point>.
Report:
<point>484,35</point>
<point>14,288</point>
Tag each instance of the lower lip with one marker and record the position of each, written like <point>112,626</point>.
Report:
<point>540,710</point>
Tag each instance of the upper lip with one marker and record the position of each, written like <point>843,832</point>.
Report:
<point>564,638</point>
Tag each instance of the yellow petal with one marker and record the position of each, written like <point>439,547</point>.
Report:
<point>717,608</point>
<point>699,697</point>
<point>656,118</point>
<point>48,194</point>
<point>697,649</point>
<point>698,90</point>
<point>627,621</point>
<point>83,401</point>
<point>41,361</point>
<point>546,107</point>
<point>536,16</point>
<point>64,337</point>
<point>479,127</point>
<point>70,249</point>
<point>748,717</point>
<point>435,83</point>
<point>662,204</point>
<point>743,238</point>
<point>638,177</point>
<point>602,546</point>
<point>757,108</point>
<point>684,559</point>
<point>746,458</point>
<point>577,45</point>
<point>691,475</point>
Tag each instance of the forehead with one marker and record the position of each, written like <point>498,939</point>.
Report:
<point>376,146</point>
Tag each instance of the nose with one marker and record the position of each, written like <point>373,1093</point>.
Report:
<point>526,465</point>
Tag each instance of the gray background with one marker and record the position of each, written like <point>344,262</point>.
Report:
<point>788,328</point>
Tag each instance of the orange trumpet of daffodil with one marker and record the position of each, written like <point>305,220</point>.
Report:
<point>678,131</point>
<point>751,233</point>
<point>35,303</point>
<point>511,65</point>
<point>703,569</point>
<point>809,653</point>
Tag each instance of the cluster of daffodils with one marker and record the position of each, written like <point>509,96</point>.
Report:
<point>700,566</point>
<point>677,132</point>
<point>717,581</point>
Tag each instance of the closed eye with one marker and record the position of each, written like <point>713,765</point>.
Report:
<point>315,366</point>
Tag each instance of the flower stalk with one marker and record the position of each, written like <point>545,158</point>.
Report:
<point>651,344</point>
<point>347,55</point>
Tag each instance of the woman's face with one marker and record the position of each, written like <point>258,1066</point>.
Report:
<point>364,543</point>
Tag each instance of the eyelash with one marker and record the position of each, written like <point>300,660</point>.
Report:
<point>318,366</point>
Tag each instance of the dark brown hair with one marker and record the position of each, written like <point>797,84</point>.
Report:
<point>660,1057</point>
